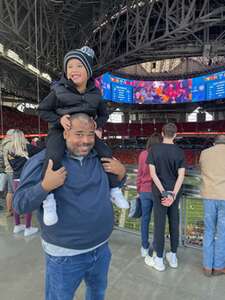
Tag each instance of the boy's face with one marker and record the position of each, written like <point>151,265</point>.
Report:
<point>76,71</point>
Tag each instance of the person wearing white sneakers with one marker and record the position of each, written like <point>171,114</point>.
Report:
<point>19,151</point>
<point>76,247</point>
<point>167,168</point>
<point>144,189</point>
<point>75,92</point>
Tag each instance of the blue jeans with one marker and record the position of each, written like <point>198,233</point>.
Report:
<point>146,207</point>
<point>214,234</point>
<point>65,273</point>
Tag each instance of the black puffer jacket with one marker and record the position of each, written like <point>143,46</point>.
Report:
<point>65,99</point>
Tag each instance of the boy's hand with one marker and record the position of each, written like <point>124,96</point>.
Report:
<point>65,122</point>
<point>98,132</point>
<point>53,179</point>
<point>167,201</point>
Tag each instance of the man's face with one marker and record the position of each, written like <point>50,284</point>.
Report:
<point>80,139</point>
<point>76,71</point>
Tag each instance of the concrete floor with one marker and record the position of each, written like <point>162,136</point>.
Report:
<point>22,271</point>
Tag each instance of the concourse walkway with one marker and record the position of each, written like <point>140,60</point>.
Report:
<point>22,271</point>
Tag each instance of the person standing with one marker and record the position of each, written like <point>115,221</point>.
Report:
<point>19,151</point>
<point>9,172</point>
<point>167,168</point>
<point>144,189</point>
<point>213,193</point>
<point>76,247</point>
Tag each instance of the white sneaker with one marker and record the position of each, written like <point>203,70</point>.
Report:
<point>144,252</point>
<point>155,262</point>
<point>18,228</point>
<point>172,259</point>
<point>29,231</point>
<point>118,199</point>
<point>49,210</point>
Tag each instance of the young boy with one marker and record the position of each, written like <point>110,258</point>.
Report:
<point>74,93</point>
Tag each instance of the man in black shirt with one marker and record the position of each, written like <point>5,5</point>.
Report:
<point>167,169</point>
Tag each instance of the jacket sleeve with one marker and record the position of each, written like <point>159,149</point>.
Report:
<point>47,109</point>
<point>30,194</point>
<point>102,115</point>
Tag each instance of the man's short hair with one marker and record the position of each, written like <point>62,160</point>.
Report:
<point>220,139</point>
<point>169,130</point>
<point>80,116</point>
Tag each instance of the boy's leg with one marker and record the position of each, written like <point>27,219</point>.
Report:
<point>173,218</point>
<point>97,276</point>
<point>159,212</point>
<point>116,194</point>
<point>55,148</point>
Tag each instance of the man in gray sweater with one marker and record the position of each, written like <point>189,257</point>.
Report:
<point>76,247</point>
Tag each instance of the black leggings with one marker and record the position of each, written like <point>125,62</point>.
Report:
<point>160,213</point>
<point>55,149</point>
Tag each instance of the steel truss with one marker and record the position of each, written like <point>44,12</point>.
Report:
<point>30,23</point>
<point>140,31</point>
<point>122,32</point>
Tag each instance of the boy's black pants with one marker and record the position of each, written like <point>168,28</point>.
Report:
<point>55,148</point>
<point>160,213</point>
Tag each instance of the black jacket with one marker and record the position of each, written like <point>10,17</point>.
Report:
<point>65,99</point>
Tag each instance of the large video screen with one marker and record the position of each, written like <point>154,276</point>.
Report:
<point>202,88</point>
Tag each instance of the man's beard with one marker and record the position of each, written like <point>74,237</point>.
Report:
<point>77,152</point>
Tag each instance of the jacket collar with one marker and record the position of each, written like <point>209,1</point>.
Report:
<point>91,154</point>
<point>69,83</point>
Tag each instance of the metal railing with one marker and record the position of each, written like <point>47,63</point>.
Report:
<point>191,213</point>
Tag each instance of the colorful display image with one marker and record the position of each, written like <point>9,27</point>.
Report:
<point>163,92</point>
<point>202,88</point>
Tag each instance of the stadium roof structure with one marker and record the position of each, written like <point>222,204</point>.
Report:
<point>122,32</point>
<point>149,39</point>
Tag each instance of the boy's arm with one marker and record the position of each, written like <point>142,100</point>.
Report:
<point>102,115</point>
<point>179,181</point>
<point>47,109</point>
<point>156,179</point>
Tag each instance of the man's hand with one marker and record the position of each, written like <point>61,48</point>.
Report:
<point>53,179</point>
<point>167,201</point>
<point>114,166</point>
<point>65,122</point>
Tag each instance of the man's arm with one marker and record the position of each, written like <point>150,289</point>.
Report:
<point>155,178</point>
<point>32,190</point>
<point>179,181</point>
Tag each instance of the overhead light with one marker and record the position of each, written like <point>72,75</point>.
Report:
<point>1,48</point>
<point>33,69</point>
<point>46,76</point>
<point>14,56</point>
